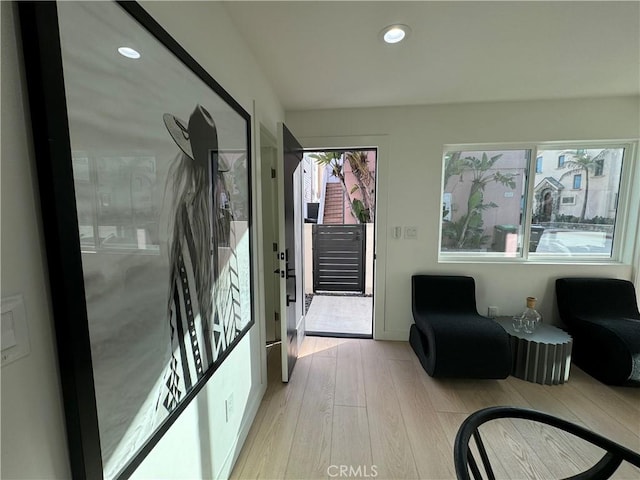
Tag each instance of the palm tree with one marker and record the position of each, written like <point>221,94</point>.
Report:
<point>583,162</point>
<point>479,168</point>
<point>333,159</point>
<point>453,165</point>
<point>358,160</point>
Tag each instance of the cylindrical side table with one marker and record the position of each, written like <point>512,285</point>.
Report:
<point>543,356</point>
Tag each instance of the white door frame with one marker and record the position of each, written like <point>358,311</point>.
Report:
<point>380,142</point>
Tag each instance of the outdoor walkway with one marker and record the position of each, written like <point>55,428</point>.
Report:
<point>340,314</point>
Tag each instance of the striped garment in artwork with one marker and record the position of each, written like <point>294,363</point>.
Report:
<point>226,308</point>
<point>189,329</point>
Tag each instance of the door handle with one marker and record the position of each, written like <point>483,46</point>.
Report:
<point>290,300</point>
<point>285,274</point>
<point>295,289</point>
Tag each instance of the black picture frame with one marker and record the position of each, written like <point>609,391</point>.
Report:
<point>60,190</point>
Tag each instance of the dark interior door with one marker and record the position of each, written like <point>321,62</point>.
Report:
<point>290,261</point>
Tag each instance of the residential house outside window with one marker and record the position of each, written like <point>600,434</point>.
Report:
<point>583,222</point>
<point>496,209</point>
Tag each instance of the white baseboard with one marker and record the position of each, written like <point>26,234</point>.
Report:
<point>394,335</point>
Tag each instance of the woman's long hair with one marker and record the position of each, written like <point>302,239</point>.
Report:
<point>192,216</point>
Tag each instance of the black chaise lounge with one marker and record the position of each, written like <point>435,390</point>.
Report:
<point>602,316</point>
<point>449,336</point>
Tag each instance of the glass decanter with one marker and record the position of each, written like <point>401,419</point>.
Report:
<point>531,319</point>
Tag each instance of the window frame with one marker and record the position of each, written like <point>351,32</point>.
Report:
<point>577,181</point>
<point>626,220</point>
<point>457,257</point>
<point>599,170</point>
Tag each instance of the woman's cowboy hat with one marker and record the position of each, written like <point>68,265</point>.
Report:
<point>198,138</point>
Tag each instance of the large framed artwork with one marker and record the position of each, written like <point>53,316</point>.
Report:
<point>144,173</point>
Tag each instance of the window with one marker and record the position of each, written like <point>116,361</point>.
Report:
<point>485,190</point>
<point>577,182</point>
<point>583,225</point>
<point>599,167</point>
<point>446,206</point>
<point>495,208</point>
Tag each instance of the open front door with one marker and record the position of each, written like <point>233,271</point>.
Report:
<point>290,251</point>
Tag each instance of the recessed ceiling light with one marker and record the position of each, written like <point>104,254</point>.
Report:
<point>395,33</point>
<point>128,52</point>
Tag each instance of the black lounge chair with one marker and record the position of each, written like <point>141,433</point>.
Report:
<point>467,466</point>
<point>602,316</point>
<point>449,336</point>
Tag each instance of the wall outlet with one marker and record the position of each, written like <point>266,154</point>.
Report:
<point>492,312</point>
<point>410,233</point>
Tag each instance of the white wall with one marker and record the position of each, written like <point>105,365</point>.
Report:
<point>412,177</point>
<point>200,444</point>
<point>33,433</point>
<point>205,30</point>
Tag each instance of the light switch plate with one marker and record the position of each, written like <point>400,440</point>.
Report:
<point>410,233</point>
<point>15,334</point>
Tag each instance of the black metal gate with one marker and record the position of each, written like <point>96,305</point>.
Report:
<point>339,258</point>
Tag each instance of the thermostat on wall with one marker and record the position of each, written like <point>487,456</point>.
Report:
<point>15,336</point>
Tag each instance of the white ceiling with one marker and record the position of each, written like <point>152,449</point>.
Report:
<point>329,55</point>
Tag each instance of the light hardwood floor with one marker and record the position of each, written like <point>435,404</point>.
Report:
<point>369,404</point>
